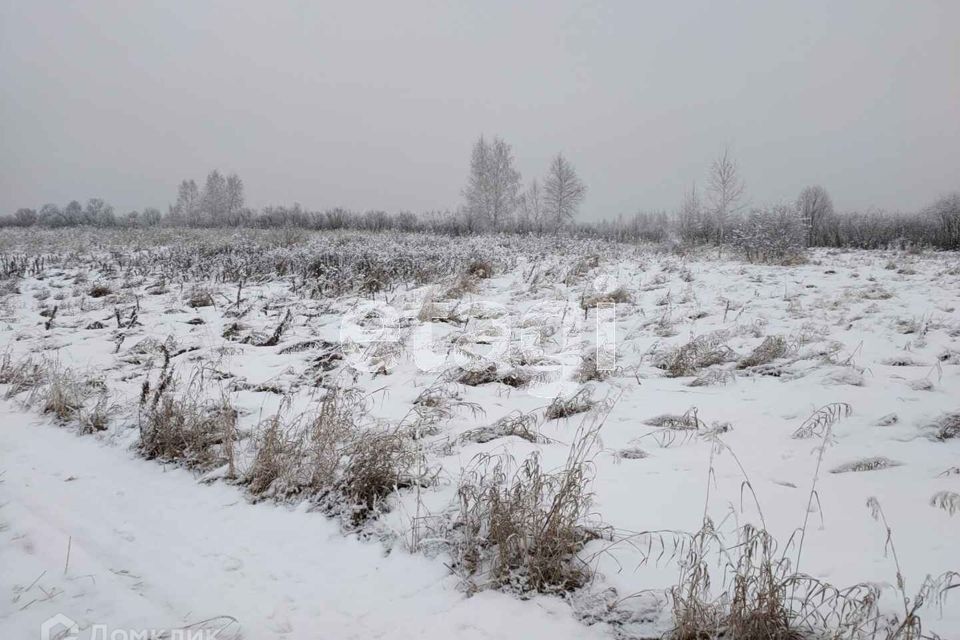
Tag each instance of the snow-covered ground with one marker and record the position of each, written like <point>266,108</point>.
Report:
<point>150,549</point>
<point>873,335</point>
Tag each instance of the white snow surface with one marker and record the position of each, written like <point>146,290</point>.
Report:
<point>151,547</point>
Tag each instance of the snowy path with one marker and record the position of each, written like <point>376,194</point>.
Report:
<point>153,549</point>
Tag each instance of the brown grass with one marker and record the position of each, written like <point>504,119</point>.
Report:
<point>699,353</point>
<point>947,426</point>
<point>379,464</point>
<point>772,348</point>
<point>304,456</point>
<point>63,393</point>
<point>97,418</point>
<point>184,429</point>
<point>520,425</point>
<point>522,531</point>
<point>21,375</point>
<point>580,402</point>
<point>480,268</point>
<point>620,295</point>
<point>99,290</point>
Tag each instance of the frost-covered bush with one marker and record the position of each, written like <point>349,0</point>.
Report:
<point>774,234</point>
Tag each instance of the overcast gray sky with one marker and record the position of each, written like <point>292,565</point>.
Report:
<point>376,105</point>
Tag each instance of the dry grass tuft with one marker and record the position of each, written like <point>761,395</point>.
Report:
<point>712,377</point>
<point>762,596</point>
<point>947,426</point>
<point>688,421</point>
<point>620,295</point>
<point>477,375</point>
<point>200,296</point>
<point>464,284</point>
<point>866,464</point>
<point>755,602</point>
<point>188,430</point>
<point>949,501</point>
<point>305,456</point>
<point>580,268</point>
<point>522,531</point>
<point>64,393</point>
<point>99,290</point>
<point>379,464</point>
<point>631,453</point>
<point>480,268</point>
<point>97,418</point>
<point>521,425</point>
<point>588,370</point>
<point>275,470</point>
<point>328,457</point>
<point>678,429</point>
<point>21,375</point>
<point>516,377</point>
<point>772,348</point>
<point>580,402</point>
<point>822,420</point>
<point>699,353</point>
<point>901,361</point>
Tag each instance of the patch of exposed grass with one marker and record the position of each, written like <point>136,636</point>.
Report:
<point>699,353</point>
<point>561,407</point>
<point>522,531</point>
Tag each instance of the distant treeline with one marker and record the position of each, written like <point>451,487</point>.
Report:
<point>937,226</point>
<point>494,202</point>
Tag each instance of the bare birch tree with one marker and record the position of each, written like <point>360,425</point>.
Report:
<point>213,199</point>
<point>725,194</point>
<point>815,207</point>
<point>692,224</point>
<point>493,186</point>
<point>531,209</point>
<point>563,192</point>
<point>234,199</point>
<point>187,208</point>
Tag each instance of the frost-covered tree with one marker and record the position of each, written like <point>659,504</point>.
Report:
<point>531,210</point>
<point>724,194</point>
<point>693,225</point>
<point>25,217</point>
<point>98,213</point>
<point>213,199</point>
<point>234,199</point>
<point>151,217</point>
<point>772,234</point>
<point>946,214</point>
<point>51,216</point>
<point>563,191</point>
<point>219,203</point>
<point>493,186</point>
<point>73,214</point>
<point>815,207</point>
<point>187,208</point>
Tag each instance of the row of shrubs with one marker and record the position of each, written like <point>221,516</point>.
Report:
<point>937,225</point>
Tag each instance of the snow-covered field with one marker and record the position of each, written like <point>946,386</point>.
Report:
<point>677,390</point>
